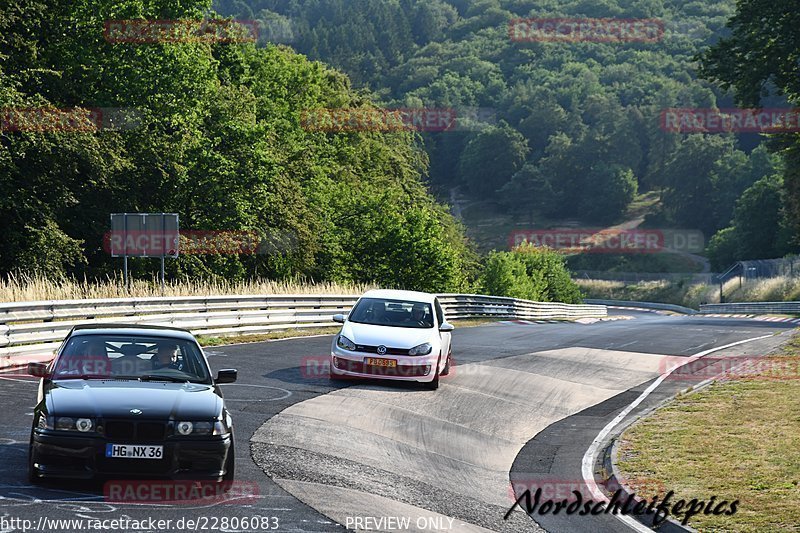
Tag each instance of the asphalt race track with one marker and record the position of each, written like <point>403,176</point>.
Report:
<point>522,406</point>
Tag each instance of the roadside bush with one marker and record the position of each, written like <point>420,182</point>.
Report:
<point>531,273</point>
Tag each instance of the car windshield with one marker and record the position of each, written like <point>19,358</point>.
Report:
<point>395,313</point>
<point>131,357</point>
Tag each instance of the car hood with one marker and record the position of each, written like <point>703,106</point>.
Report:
<point>391,337</point>
<point>116,399</point>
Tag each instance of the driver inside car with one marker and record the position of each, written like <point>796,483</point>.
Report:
<point>167,357</point>
<point>418,315</point>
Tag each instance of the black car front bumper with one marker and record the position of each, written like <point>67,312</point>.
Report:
<point>84,457</point>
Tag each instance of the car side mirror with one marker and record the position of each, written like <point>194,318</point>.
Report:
<point>339,317</point>
<point>446,327</point>
<point>37,370</point>
<point>227,375</point>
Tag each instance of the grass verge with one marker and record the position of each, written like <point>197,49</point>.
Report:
<point>736,440</point>
<point>206,340</point>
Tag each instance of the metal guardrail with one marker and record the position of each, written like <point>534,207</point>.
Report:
<point>761,308</point>
<point>644,305</point>
<point>28,328</point>
<point>745,308</point>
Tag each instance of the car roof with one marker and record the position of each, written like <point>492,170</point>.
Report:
<point>391,294</point>
<point>132,329</point>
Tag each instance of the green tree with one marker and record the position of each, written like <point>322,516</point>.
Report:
<point>551,266</point>
<point>609,189</point>
<point>220,141</point>
<point>758,229</point>
<point>604,99</point>
<point>505,274</point>
<point>759,59</point>
<point>688,176</point>
<point>491,159</point>
<point>723,249</point>
<point>530,273</point>
<point>528,191</point>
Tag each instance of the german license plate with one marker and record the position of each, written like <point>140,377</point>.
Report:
<point>389,363</point>
<point>134,451</point>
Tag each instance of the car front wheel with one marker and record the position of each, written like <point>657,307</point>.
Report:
<point>230,468</point>
<point>446,369</point>
<point>434,383</point>
<point>33,478</point>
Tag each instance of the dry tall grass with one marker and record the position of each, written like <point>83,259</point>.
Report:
<point>33,288</point>
<point>672,292</point>
<point>779,289</point>
<point>686,294</point>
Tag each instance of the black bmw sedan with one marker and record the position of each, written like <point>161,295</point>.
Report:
<point>139,401</point>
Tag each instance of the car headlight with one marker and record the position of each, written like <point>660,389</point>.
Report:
<point>184,428</point>
<point>422,349</point>
<point>203,428</point>
<point>345,343</point>
<point>67,423</point>
<point>84,425</point>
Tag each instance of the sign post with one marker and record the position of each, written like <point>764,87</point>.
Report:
<point>144,235</point>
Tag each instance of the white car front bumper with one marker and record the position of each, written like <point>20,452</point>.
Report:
<point>421,368</point>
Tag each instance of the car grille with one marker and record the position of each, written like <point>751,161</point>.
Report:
<point>374,349</point>
<point>135,431</point>
<point>120,430</point>
<point>400,370</point>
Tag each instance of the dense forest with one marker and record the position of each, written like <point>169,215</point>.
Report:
<point>574,132</point>
<point>577,130</point>
<point>217,140</point>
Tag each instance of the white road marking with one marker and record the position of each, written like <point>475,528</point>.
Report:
<point>626,344</point>
<point>587,470</point>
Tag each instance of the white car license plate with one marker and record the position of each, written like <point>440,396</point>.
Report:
<point>133,451</point>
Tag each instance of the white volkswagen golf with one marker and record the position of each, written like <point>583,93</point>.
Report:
<point>398,335</point>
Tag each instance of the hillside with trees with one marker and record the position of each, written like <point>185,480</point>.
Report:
<point>218,140</point>
<point>567,132</point>
<point>577,129</point>
<point>758,63</point>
